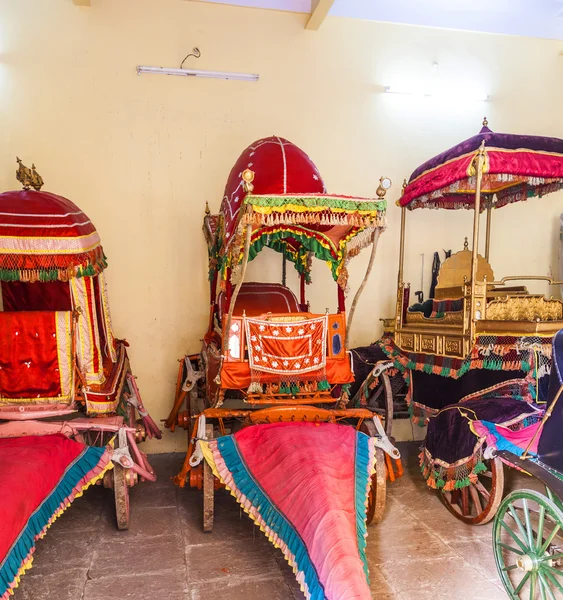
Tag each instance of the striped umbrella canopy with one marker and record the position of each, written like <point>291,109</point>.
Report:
<point>45,237</point>
<point>516,167</point>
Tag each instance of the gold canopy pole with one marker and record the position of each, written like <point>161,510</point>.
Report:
<point>400,283</point>
<point>402,245</point>
<point>488,234</point>
<point>247,177</point>
<point>475,249</point>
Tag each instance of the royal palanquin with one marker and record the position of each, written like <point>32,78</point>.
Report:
<point>478,345</point>
<point>59,359</point>
<point>266,357</point>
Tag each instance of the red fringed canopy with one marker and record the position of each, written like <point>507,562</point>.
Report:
<point>45,237</point>
<point>516,167</point>
<point>290,212</point>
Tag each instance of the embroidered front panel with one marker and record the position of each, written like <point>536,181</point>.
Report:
<point>287,349</point>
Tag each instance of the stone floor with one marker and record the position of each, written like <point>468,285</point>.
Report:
<point>418,552</point>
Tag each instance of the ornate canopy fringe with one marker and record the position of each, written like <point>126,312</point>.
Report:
<point>45,237</point>
<point>516,167</point>
<point>290,212</point>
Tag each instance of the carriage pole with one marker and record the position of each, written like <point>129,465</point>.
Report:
<point>362,285</point>
<point>475,248</point>
<point>236,291</point>
<point>402,247</point>
<point>381,191</point>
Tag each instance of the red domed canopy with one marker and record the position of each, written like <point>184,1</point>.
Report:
<point>289,210</point>
<point>44,237</point>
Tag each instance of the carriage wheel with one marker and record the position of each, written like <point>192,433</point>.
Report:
<point>208,489</point>
<point>378,489</point>
<point>121,495</point>
<point>525,532</point>
<point>477,503</point>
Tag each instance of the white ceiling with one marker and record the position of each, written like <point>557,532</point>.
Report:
<point>533,18</point>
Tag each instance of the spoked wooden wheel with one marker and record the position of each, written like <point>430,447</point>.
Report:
<point>121,495</point>
<point>208,489</point>
<point>378,490</point>
<point>477,503</point>
<point>528,546</point>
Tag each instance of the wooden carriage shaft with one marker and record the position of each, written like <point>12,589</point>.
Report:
<point>345,413</point>
<point>236,291</point>
<point>362,285</point>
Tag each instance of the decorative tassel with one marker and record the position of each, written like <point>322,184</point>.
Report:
<point>254,388</point>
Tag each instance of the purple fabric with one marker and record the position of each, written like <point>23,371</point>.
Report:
<point>449,437</point>
<point>508,141</point>
<point>436,391</point>
<point>364,360</point>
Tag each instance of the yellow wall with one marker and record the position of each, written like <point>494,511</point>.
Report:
<point>141,155</point>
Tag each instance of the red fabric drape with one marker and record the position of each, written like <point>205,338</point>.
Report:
<point>341,300</point>
<point>21,295</point>
<point>31,468</point>
<point>29,362</point>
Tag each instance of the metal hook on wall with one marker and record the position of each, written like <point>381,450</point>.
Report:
<point>195,53</point>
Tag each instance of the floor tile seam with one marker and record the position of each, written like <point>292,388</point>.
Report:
<point>233,580</point>
<point>131,575</point>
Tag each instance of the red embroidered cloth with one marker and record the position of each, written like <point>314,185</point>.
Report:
<point>35,356</point>
<point>291,349</point>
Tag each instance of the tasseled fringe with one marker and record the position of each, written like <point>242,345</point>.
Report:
<point>451,477</point>
<point>51,267</point>
<point>254,388</point>
<point>364,468</point>
<point>325,218</point>
<point>529,186</point>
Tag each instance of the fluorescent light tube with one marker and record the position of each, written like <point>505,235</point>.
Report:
<point>198,73</point>
<point>454,95</point>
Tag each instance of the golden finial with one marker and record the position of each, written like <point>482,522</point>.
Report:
<point>247,179</point>
<point>404,184</point>
<point>485,122</point>
<point>207,211</point>
<point>28,177</point>
<point>37,180</point>
<point>384,185</point>
<point>466,244</point>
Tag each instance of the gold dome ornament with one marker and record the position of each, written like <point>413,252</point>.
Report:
<point>29,178</point>
<point>485,122</point>
<point>384,185</point>
<point>247,179</point>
